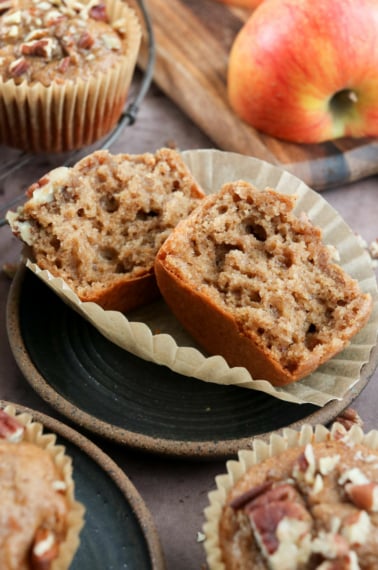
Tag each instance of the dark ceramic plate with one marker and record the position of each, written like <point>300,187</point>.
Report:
<point>140,404</point>
<point>118,531</point>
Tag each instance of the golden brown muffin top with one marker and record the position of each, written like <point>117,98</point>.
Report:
<point>311,508</point>
<point>58,40</point>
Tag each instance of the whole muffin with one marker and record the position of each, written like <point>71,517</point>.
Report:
<point>65,71</point>
<point>306,503</point>
<point>40,520</point>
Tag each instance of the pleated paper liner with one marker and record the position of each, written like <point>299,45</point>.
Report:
<point>260,451</point>
<point>34,433</point>
<point>152,333</point>
<point>71,114</point>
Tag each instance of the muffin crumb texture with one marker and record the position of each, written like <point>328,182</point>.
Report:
<point>310,508</point>
<point>245,255</point>
<point>99,224</point>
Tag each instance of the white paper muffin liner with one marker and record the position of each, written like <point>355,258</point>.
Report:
<point>152,333</point>
<point>34,433</point>
<point>260,451</point>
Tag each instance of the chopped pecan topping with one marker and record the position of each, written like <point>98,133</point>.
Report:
<point>12,18</point>
<point>98,12</point>
<point>348,562</point>
<point>305,466</point>
<point>356,528</point>
<point>348,418</point>
<point>39,48</point>
<point>364,496</point>
<point>12,32</point>
<point>63,65</point>
<point>85,41</point>
<point>5,5</point>
<point>268,509</point>
<point>44,5</point>
<point>328,463</point>
<point>330,545</point>
<point>59,485</point>
<point>18,67</point>
<point>111,41</point>
<point>120,26</point>
<point>45,549</point>
<point>53,17</point>
<point>250,495</point>
<point>353,475</point>
<point>280,493</point>
<point>36,34</point>
<point>10,428</point>
<point>41,182</point>
<point>266,518</point>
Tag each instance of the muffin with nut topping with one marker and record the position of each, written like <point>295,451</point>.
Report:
<point>304,502</point>
<point>65,71</point>
<point>40,520</point>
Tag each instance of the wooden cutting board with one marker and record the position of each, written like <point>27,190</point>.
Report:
<point>193,39</point>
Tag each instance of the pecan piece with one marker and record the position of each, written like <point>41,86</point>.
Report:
<point>53,17</point>
<point>364,496</point>
<point>348,418</point>
<point>98,12</point>
<point>348,562</point>
<point>63,65</point>
<point>356,527</point>
<point>18,67</point>
<point>265,521</point>
<point>304,468</point>
<point>10,428</point>
<point>85,41</point>
<point>267,511</point>
<point>41,182</point>
<point>45,549</point>
<point>39,48</point>
<point>36,34</point>
<point>330,545</point>
<point>250,495</point>
<point>280,493</point>
<point>5,5</point>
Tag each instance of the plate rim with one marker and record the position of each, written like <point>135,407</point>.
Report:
<point>220,449</point>
<point>112,470</point>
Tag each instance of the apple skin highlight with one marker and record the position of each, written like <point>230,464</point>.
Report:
<point>306,71</point>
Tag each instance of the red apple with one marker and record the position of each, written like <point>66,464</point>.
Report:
<point>307,70</point>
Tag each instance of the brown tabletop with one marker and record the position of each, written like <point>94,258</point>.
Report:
<point>175,491</point>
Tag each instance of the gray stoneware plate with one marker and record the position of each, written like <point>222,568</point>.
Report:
<point>121,397</point>
<point>119,532</point>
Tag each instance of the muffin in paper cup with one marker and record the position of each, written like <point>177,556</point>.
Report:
<point>65,71</point>
<point>41,519</point>
<point>262,512</point>
<point>154,334</point>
